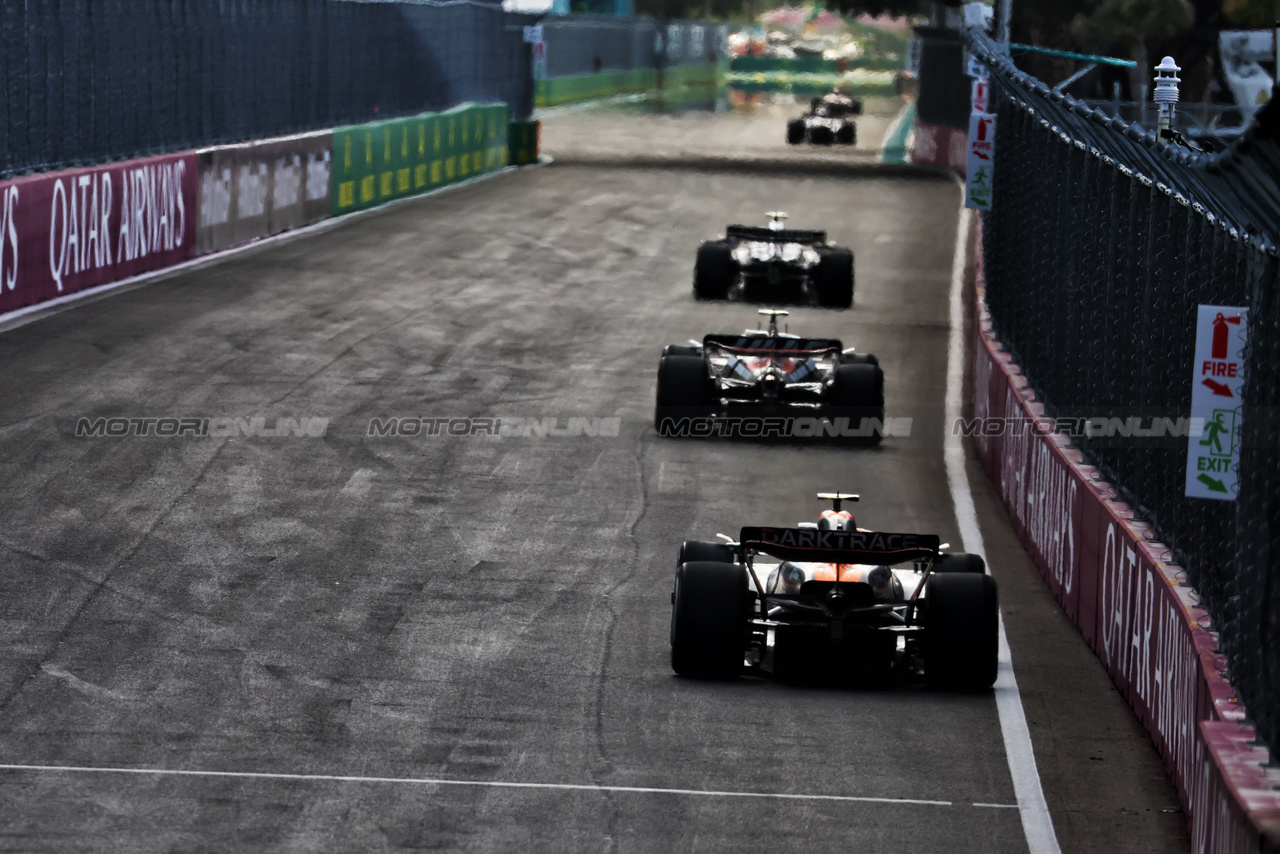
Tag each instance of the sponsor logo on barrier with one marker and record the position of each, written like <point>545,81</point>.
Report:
<point>152,218</point>
<point>8,238</point>
<point>67,231</point>
<point>259,189</point>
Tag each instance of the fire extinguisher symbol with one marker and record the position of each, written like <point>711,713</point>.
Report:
<point>1220,332</point>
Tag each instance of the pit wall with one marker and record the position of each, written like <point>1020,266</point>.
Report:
<point>1131,604</point>
<point>74,230</point>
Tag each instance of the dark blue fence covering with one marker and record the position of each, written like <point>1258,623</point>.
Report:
<point>1101,242</point>
<point>85,81</point>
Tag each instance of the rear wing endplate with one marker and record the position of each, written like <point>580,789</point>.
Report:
<point>814,546</point>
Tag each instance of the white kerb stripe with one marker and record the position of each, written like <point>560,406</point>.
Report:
<point>1037,823</point>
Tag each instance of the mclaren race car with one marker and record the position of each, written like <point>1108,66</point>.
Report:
<point>828,122</point>
<point>774,264</point>
<point>834,601</point>
<point>769,384</point>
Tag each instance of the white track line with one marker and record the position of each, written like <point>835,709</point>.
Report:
<point>1037,823</point>
<point>491,784</point>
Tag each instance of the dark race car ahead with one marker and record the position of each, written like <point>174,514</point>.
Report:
<point>774,264</point>
<point>828,122</point>
<point>769,384</point>
<point>833,601</point>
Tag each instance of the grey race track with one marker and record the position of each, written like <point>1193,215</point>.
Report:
<point>477,610</point>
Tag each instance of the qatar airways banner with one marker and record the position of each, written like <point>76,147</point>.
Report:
<point>68,231</point>
<point>1130,602</point>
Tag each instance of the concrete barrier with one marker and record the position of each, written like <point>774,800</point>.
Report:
<point>1129,601</point>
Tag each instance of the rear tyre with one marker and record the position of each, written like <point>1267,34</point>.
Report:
<point>961,563</point>
<point>714,270</point>
<point>683,387</point>
<point>821,135</point>
<point>702,550</point>
<point>858,395</point>
<point>847,135</point>
<point>961,631</point>
<point>833,278</point>
<point>859,359</point>
<point>795,131</point>
<point>709,613</point>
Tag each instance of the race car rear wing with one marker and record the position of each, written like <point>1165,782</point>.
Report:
<point>814,546</point>
<point>770,344</point>
<point>768,235</point>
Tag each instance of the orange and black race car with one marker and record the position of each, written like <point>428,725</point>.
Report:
<point>764,384</point>
<point>837,601</point>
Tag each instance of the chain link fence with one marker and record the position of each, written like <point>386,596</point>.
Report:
<point>586,44</point>
<point>87,81</point>
<point>1101,243</point>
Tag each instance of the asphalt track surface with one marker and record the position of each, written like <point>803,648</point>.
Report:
<point>462,642</point>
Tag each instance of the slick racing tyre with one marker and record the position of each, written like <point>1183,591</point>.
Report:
<point>709,613</point>
<point>821,135</point>
<point>858,395</point>
<point>680,350</point>
<point>833,278</point>
<point>714,270</point>
<point>795,131</point>
<point>859,359</point>
<point>701,550</point>
<point>960,632</point>
<point>683,386</point>
<point>961,563</point>
<point>847,135</point>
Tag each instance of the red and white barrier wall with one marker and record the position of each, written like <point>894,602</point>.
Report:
<point>1132,605</point>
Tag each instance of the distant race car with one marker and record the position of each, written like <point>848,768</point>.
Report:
<point>828,122</point>
<point>771,374</point>
<point>836,602</point>
<point>774,264</point>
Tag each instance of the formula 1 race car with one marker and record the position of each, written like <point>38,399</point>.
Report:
<point>765,383</point>
<point>828,122</point>
<point>840,603</point>
<point>774,264</point>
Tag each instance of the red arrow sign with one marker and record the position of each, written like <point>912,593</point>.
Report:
<point>1218,388</point>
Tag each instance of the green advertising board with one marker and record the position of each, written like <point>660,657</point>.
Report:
<point>377,162</point>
